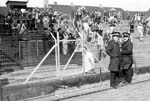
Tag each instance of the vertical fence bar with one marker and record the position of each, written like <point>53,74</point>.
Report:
<point>19,50</point>
<point>1,96</point>
<point>0,41</point>
<point>83,58</point>
<point>58,56</point>
<point>56,60</point>
<point>37,48</point>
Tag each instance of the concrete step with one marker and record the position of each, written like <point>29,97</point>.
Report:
<point>39,76</point>
<point>4,60</point>
<point>41,69</point>
<point>9,63</point>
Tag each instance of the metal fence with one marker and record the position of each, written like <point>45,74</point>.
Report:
<point>17,54</point>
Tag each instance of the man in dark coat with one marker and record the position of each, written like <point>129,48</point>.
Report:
<point>126,58</point>
<point>113,50</point>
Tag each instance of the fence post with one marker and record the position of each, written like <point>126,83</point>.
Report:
<point>1,97</point>
<point>2,83</point>
<point>19,49</point>
<point>37,48</point>
<point>58,57</point>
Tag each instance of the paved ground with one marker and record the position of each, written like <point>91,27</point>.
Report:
<point>138,90</point>
<point>135,92</point>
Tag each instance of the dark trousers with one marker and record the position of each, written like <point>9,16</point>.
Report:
<point>71,48</point>
<point>114,78</point>
<point>127,74</point>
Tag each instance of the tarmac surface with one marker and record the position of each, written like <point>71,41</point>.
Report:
<point>138,90</point>
<point>135,92</point>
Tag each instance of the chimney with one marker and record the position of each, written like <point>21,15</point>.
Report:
<point>55,3</point>
<point>46,3</point>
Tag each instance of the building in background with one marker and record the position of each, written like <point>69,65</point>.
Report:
<point>16,4</point>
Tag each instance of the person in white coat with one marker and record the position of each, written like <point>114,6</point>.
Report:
<point>65,44</point>
<point>88,61</point>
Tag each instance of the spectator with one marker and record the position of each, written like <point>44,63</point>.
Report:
<point>140,30</point>
<point>113,50</point>
<point>71,44</point>
<point>65,44</point>
<point>126,58</point>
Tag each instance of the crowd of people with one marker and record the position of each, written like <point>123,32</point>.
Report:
<point>86,26</point>
<point>142,24</point>
<point>20,21</point>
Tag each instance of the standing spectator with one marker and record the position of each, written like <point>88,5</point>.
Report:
<point>144,27</point>
<point>140,30</point>
<point>131,30</point>
<point>71,44</point>
<point>61,37</point>
<point>126,58</point>
<point>23,28</point>
<point>52,22</point>
<point>46,22</point>
<point>99,45</point>
<point>148,25</point>
<point>100,28</point>
<point>33,20</point>
<point>139,18</point>
<point>65,44</point>
<point>14,33</point>
<point>113,50</point>
<point>131,27</point>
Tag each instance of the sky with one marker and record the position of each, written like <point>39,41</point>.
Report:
<point>130,5</point>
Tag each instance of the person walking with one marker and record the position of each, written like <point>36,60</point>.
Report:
<point>126,58</point>
<point>113,50</point>
<point>88,61</point>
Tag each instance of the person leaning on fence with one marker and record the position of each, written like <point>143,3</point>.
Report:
<point>71,44</point>
<point>113,50</point>
<point>126,58</point>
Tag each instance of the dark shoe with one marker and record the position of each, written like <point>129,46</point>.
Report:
<point>129,81</point>
<point>121,84</point>
<point>114,87</point>
<point>125,83</point>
